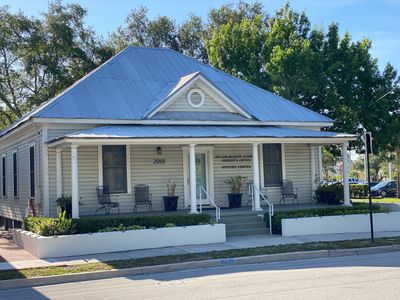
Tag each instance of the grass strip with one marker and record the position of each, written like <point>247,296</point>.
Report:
<point>162,260</point>
<point>377,200</point>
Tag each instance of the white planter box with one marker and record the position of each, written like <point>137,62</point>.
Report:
<point>340,224</point>
<point>102,242</point>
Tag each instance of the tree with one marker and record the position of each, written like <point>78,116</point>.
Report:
<point>329,162</point>
<point>162,32</point>
<point>332,75</point>
<point>40,58</point>
<point>244,42</point>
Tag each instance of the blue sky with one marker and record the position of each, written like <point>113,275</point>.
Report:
<point>379,20</point>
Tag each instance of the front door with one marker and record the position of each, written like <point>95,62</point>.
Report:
<point>204,175</point>
<point>201,177</point>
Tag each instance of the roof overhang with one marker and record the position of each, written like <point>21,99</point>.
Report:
<point>147,134</point>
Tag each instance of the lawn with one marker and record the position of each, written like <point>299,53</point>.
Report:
<point>378,200</point>
<point>162,260</point>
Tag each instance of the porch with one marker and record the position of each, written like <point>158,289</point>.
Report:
<point>156,155</point>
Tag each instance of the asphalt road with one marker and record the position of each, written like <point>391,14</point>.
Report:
<point>354,277</point>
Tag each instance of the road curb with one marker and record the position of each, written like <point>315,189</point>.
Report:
<point>68,278</point>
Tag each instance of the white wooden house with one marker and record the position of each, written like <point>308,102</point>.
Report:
<point>156,115</point>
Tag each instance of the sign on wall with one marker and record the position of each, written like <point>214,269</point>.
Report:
<point>235,161</point>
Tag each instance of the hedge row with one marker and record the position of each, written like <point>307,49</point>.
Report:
<point>113,223</point>
<point>330,194</point>
<point>357,208</point>
<point>358,190</point>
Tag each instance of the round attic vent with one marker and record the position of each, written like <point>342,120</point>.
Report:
<point>195,98</point>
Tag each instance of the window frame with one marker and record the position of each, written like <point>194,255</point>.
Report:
<point>15,174</point>
<point>128,168</point>
<point>32,173</point>
<point>4,176</point>
<point>283,165</point>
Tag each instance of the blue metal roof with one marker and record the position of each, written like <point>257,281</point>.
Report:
<point>137,79</point>
<point>127,85</point>
<point>197,131</point>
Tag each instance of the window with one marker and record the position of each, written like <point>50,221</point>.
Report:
<point>32,170</point>
<point>272,163</point>
<point>114,168</point>
<point>196,98</point>
<point>3,174</point>
<point>15,174</point>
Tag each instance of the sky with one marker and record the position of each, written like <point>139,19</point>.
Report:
<point>379,20</point>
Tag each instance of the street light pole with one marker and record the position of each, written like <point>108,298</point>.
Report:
<point>368,150</point>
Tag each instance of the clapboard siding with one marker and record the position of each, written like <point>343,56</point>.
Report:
<point>157,175</point>
<point>53,133</point>
<point>181,104</point>
<point>15,207</point>
<point>221,189</point>
<point>144,171</point>
<point>298,169</point>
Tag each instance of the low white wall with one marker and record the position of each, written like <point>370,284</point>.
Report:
<point>340,224</point>
<point>102,242</point>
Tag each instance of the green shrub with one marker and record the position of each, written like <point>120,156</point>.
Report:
<point>94,224</point>
<point>357,208</point>
<point>329,194</point>
<point>358,190</point>
<point>121,228</point>
<point>50,226</point>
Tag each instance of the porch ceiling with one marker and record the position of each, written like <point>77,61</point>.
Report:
<point>179,134</point>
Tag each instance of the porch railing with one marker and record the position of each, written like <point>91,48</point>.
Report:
<point>252,191</point>
<point>212,202</point>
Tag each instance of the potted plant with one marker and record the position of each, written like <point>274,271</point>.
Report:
<point>235,197</point>
<point>64,204</point>
<point>171,201</point>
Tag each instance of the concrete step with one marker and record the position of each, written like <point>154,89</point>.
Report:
<point>246,231</point>
<point>244,223</point>
<point>241,219</point>
<point>252,225</point>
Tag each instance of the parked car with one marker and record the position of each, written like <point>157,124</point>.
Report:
<point>352,180</point>
<point>384,189</point>
<point>372,183</point>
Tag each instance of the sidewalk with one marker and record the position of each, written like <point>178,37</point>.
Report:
<point>231,243</point>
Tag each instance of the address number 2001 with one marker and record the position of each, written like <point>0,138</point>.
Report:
<point>159,161</point>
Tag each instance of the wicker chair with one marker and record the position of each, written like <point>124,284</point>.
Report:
<point>288,192</point>
<point>142,197</point>
<point>104,199</point>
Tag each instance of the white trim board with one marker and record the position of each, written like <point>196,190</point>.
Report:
<point>205,141</point>
<point>175,122</point>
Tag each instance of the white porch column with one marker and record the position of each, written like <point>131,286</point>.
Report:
<point>192,175</point>
<point>321,171</point>
<point>74,181</point>
<point>256,178</point>
<point>312,166</point>
<point>346,188</point>
<point>59,172</point>
<point>390,170</point>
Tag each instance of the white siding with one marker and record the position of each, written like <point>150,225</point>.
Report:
<point>144,171</point>
<point>221,172</point>
<point>157,175</point>
<point>15,207</point>
<point>298,169</point>
<point>181,104</point>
